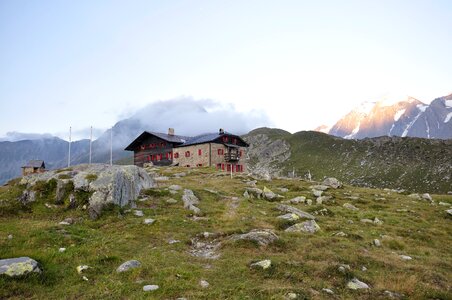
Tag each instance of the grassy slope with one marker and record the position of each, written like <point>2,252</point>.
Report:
<point>302,263</point>
<point>411,163</point>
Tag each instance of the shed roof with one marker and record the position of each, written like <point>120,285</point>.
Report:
<point>177,139</point>
<point>35,164</point>
<point>208,138</point>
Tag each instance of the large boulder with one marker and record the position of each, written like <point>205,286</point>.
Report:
<point>190,201</point>
<point>332,182</point>
<point>289,209</point>
<point>118,185</point>
<point>261,236</point>
<point>19,266</point>
<point>308,226</point>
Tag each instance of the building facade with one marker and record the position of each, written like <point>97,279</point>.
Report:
<point>222,150</point>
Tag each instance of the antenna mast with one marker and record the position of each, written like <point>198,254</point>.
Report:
<point>90,142</point>
<point>111,146</point>
<point>69,155</point>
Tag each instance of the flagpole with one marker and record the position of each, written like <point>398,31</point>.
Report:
<point>90,142</point>
<point>69,155</point>
<point>111,146</point>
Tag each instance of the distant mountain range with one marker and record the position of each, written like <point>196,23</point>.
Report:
<point>405,117</point>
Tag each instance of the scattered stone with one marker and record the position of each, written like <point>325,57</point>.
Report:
<point>392,295</point>
<point>263,264</point>
<point>319,187</point>
<point>19,266</point>
<point>289,217</point>
<point>268,194</point>
<point>377,243</point>
<point>148,221</point>
<point>350,206</point>
<point>283,190</point>
<point>290,209</point>
<point>350,222</point>
<point>363,268</point>
<point>138,213</point>
<point>323,199</point>
<point>323,212</point>
<point>427,197</point>
<point>204,284</point>
<point>205,249</point>
<point>366,221</point>
<point>131,264</point>
<point>82,268</point>
<point>317,193</point>
<point>444,204</point>
<point>175,187</point>
<point>308,226</point>
<point>10,236</point>
<point>328,291</point>
<point>402,210</point>
<point>406,257</point>
<point>67,221</point>
<point>309,202</point>
<point>171,201</point>
<point>355,284</point>
<point>251,183</point>
<point>415,196</point>
<point>377,221</point>
<point>254,192</point>
<point>353,198</point>
<point>48,205</point>
<point>173,242</point>
<point>150,288</point>
<point>340,233</point>
<point>212,191</point>
<point>291,296</point>
<point>296,200</point>
<point>343,268</point>
<point>262,236</point>
<point>61,250</point>
<point>27,196</point>
<point>449,211</point>
<point>332,182</point>
<point>85,278</point>
<point>190,201</point>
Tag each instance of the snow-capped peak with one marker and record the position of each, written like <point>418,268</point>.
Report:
<point>390,100</point>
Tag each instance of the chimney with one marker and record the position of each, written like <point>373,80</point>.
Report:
<point>221,131</point>
<point>170,131</point>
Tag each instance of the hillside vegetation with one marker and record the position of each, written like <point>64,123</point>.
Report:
<point>414,164</point>
<point>183,250</point>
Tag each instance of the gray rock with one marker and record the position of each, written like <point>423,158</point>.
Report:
<point>392,295</point>
<point>61,250</point>
<point>131,264</point>
<point>366,221</point>
<point>291,296</point>
<point>377,221</point>
<point>296,200</point>
<point>254,192</point>
<point>138,213</point>
<point>148,221</point>
<point>27,196</point>
<point>319,187</point>
<point>340,233</point>
<point>283,190</point>
<point>309,202</point>
<point>377,243</point>
<point>363,268</point>
<point>317,193</point>
<point>150,288</point>
<point>290,209</point>
<point>355,284</point>
<point>251,183</point>
<point>19,266</point>
<point>190,201</point>
<point>262,236</point>
<point>449,212</point>
<point>415,196</point>
<point>175,187</point>
<point>291,217</point>
<point>343,268</point>
<point>332,182</point>
<point>204,284</point>
<point>263,264</point>
<point>328,291</point>
<point>444,203</point>
<point>307,226</point>
<point>323,199</point>
<point>350,206</point>
<point>171,201</point>
<point>406,257</point>
<point>427,197</point>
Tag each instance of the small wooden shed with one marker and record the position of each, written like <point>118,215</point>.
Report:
<point>34,166</point>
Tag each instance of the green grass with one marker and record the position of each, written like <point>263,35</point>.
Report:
<point>301,263</point>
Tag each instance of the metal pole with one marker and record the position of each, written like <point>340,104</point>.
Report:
<point>90,142</point>
<point>69,155</point>
<point>111,146</point>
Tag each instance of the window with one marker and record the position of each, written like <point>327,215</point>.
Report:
<point>176,155</point>
<point>225,139</point>
<point>187,153</point>
<point>220,151</point>
<point>188,166</point>
<point>162,144</point>
<point>219,166</point>
<point>241,153</point>
<point>199,165</point>
<point>222,167</point>
<point>199,152</point>
<point>234,141</point>
<point>142,147</point>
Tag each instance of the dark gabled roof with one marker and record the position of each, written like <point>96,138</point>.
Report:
<point>177,139</point>
<point>208,138</point>
<point>35,164</point>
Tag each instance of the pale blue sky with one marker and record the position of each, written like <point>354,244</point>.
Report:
<point>303,63</point>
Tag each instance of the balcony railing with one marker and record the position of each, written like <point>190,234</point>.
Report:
<point>231,156</point>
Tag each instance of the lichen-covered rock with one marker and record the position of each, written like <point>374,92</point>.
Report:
<point>261,236</point>
<point>131,264</point>
<point>190,201</point>
<point>308,226</point>
<point>254,192</point>
<point>263,264</point>
<point>290,209</point>
<point>291,217</point>
<point>19,266</point>
<point>332,182</point>
<point>27,196</point>
<point>350,206</point>
<point>355,284</point>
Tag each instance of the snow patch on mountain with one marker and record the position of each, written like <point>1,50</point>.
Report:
<point>448,117</point>
<point>354,132</point>
<point>405,132</point>
<point>399,114</point>
<point>448,103</point>
<point>422,107</point>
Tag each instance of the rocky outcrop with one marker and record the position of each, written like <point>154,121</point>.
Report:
<point>293,210</point>
<point>19,266</point>
<point>118,185</point>
<point>263,237</point>
<point>190,201</point>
